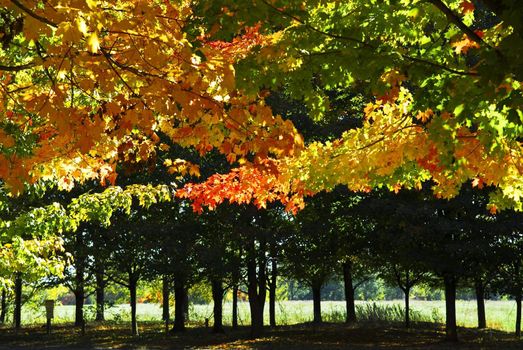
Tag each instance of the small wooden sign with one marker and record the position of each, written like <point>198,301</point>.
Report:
<point>49,309</point>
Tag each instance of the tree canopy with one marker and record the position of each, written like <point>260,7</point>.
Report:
<point>88,84</point>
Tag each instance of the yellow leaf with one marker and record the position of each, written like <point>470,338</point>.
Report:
<point>82,26</point>
<point>70,33</point>
<point>92,4</point>
<point>228,82</point>
<point>93,43</point>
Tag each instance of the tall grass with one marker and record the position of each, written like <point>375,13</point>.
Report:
<point>500,314</point>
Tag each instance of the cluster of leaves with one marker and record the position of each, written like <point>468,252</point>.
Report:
<point>446,84</point>
<point>85,84</point>
<point>32,242</point>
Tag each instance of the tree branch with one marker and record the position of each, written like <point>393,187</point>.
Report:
<point>452,17</point>
<point>330,35</point>
<point>32,14</point>
<point>17,68</point>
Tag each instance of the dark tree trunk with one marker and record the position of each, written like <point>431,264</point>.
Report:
<point>79,291</point>
<point>406,292</point>
<point>79,294</point>
<point>165,298</point>
<point>179,307</point>
<point>256,280</point>
<point>349,293</point>
<point>17,313</point>
<point>451,331</point>
<point>518,314</point>
<point>100,295</point>
<point>186,304</point>
<point>480,300</point>
<point>3,310</point>
<point>272,293</point>
<point>133,281</point>
<point>217,297</point>
<point>235,306</point>
<point>316,298</point>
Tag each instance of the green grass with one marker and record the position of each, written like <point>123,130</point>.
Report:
<point>500,314</point>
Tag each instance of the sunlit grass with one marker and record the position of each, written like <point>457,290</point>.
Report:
<point>501,315</point>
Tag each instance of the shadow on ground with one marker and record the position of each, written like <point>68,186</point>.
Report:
<point>304,336</point>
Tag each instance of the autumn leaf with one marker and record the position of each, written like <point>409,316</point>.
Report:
<point>466,7</point>
<point>463,45</point>
<point>93,43</point>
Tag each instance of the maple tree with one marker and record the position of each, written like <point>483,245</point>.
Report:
<point>446,81</point>
<point>445,77</point>
<point>87,83</point>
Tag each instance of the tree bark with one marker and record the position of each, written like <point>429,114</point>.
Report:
<point>186,305</point>
<point>17,313</point>
<point>272,293</point>
<point>179,307</point>
<point>100,295</point>
<point>3,310</point>
<point>518,314</point>
<point>79,291</point>
<point>316,296</point>
<point>256,280</point>
<point>480,300</point>
<point>235,306</point>
<point>217,297</point>
<point>451,331</point>
<point>165,298</point>
<point>79,294</point>
<point>406,292</point>
<point>349,293</point>
<point>133,281</point>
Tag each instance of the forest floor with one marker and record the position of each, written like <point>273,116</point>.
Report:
<point>301,336</point>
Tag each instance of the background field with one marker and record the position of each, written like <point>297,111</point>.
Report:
<point>501,315</point>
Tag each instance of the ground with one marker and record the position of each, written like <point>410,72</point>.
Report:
<point>302,336</point>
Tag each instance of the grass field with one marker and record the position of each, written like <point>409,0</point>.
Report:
<point>500,314</point>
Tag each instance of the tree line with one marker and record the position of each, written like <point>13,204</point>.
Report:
<point>406,239</point>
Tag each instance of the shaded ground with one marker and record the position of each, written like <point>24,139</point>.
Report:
<point>304,336</point>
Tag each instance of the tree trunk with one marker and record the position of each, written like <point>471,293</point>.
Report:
<point>3,310</point>
<point>186,305</point>
<point>256,280</point>
<point>518,314</point>
<point>100,295</point>
<point>79,294</point>
<point>235,306</point>
<point>406,291</point>
<point>451,331</point>
<point>349,293</point>
<point>480,299</point>
<point>316,297</point>
<point>17,313</point>
<point>132,291</point>
<point>272,293</point>
<point>165,298</point>
<point>179,307</point>
<point>217,297</point>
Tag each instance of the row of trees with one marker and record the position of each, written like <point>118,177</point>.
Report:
<point>405,239</point>
<point>419,93</point>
